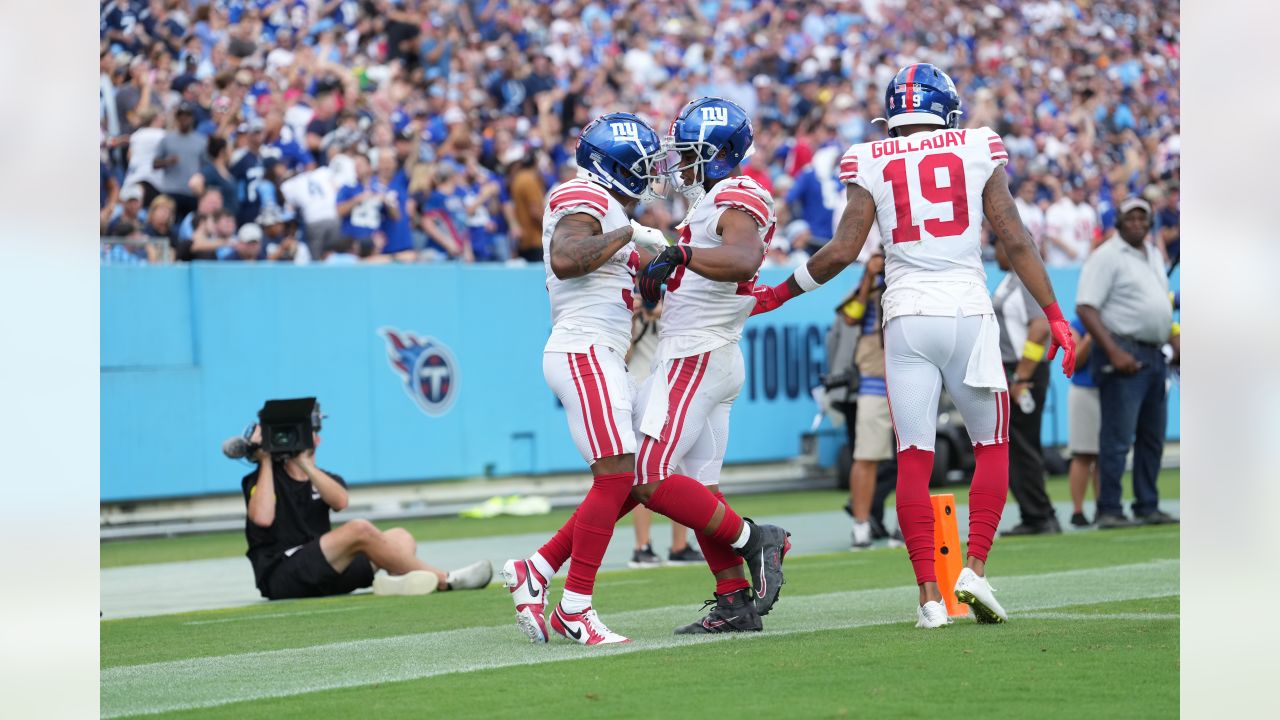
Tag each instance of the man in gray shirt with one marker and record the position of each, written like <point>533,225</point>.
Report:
<point>1023,333</point>
<point>178,156</point>
<point>1123,301</point>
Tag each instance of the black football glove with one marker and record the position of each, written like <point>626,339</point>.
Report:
<point>660,268</point>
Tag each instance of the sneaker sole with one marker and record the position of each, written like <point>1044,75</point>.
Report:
<point>413,583</point>
<point>530,626</point>
<point>981,612</point>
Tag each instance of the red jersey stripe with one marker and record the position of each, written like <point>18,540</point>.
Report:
<point>743,200</point>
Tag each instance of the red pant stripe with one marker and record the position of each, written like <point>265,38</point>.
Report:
<point>591,382</point>
<point>586,409</point>
<point>608,404</point>
<point>695,378</point>
<point>647,443</point>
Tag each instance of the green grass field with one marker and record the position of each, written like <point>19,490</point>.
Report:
<point>120,553</point>
<point>1093,633</point>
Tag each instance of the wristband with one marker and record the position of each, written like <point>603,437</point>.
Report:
<point>804,279</point>
<point>1053,313</point>
<point>1033,351</point>
<point>1176,329</point>
<point>854,310</point>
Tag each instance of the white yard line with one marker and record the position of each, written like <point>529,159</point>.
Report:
<point>212,681</point>
<point>244,618</point>
<point>1099,616</point>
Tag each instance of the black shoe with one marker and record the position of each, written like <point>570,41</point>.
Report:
<point>1113,522</point>
<point>764,552</point>
<point>1079,520</point>
<point>733,612</point>
<point>644,557</point>
<point>1158,517</point>
<point>1047,527</point>
<point>686,556</point>
<point>877,530</point>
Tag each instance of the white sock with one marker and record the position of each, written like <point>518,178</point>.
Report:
<point>572,602</point>
<point>743,537</point>
<point>542,566</point>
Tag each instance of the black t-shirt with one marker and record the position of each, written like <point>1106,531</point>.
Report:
<point>301,516</point>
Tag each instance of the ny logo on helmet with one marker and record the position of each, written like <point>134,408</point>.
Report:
<point>625,131</point>
<point>712,116</point>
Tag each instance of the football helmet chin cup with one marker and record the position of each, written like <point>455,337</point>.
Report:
<point>921,94</point>
<point>718,133</point>
<point>621,152</point>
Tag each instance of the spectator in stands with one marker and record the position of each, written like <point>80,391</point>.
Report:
<point>143,144</point>
<point>215,174</point>
<point>214,236</point>
<point>248,169</point>
<point>178,156</point>
<point>159,224</point>
<point>1070,224</point>
<point>1123,301</point>
<point>1023,334</point>
<point>393,185</point>
<point>361,208</point>
<point>1168,220</point>
<point>280,238</point>
<point>130,212</point>
<point>296,553</point>
<point>247,245</point>
<point>315,194</point>
<point>1084,420</point>
<point>210,202</point>
<point>1031,213</point>
<point>528,192</point>
<point>444,216</point>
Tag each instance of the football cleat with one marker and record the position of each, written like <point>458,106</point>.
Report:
<point>973,590</point>
<point>529,592</point>
<point>584,627</point>
<point>932,614</point>
<point>733,612</point>
<point>861,535</point>
<point>764,552</point>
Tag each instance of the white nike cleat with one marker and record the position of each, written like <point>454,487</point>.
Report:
<point>973,590</point>
<point>529,592</point>
<point>932,614</point>
<point>414,582</point>
<point>584,627</point>
<point>861,535</point>
<point>472,577</point>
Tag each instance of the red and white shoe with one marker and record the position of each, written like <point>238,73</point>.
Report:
<point>584,627</point>
<point>529,592</point>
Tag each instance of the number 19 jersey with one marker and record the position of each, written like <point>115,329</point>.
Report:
<point>927,189</point>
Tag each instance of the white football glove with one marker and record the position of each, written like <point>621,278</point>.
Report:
<point>648,238</point>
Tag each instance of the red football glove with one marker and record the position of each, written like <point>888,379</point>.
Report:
<point>1060,337</point>
<point>770,298</point>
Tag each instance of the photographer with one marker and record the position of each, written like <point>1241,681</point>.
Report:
<point>295,553</point>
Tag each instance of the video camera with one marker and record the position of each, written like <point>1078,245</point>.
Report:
<point>287,429</point>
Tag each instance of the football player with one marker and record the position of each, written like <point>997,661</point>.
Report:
<point>591,258</point>
<point>682,410</point>
<point>929,186</point>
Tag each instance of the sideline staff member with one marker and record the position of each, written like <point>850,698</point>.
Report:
<point>295,553</point>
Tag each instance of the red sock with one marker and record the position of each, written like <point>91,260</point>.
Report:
<point>720,556</point>
<point>560,546</point>
<point>987,496</point>
<point>691,504</point>
<point>915,513</point>
<point>724,587</point>
<point>593,529</point>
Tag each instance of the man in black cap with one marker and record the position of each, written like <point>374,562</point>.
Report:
<point>178,156</point>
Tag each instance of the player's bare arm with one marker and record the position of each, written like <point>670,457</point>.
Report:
<point>739,258</point>
<point>851,234</point>
<point>1002,213</point>
<point>579,247</point>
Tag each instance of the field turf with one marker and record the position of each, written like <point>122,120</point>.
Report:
<point>1093,633</point>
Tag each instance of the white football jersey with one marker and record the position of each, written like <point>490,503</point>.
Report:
<point>928,194</point>
<point>594,308</point>
<point>699,315</point>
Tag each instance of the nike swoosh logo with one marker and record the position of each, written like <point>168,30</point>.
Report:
<point>577,634</point>
<point>764,582</point>
<point>528,580</point>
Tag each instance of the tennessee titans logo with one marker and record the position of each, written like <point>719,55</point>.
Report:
<point>427,366</point>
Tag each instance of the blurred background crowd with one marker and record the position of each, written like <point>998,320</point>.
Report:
<point>430,130</point>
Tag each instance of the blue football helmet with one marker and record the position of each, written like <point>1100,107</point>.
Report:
<point>708,126</point>
<point>619,151</point>
<point>921,94</point>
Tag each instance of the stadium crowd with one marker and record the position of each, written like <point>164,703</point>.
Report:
<point>430,130</point>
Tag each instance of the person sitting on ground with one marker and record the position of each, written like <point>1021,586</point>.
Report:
<point>295,553</point>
